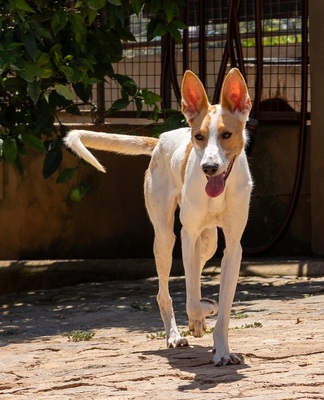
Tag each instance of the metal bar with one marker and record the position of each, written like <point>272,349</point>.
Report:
<point>185,43</point>
<point>202,43</point>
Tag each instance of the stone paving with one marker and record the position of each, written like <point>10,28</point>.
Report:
<point>277,326</point>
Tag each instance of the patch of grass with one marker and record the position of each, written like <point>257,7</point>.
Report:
<point>249,326</point>
<point>240,316</point>
<point>158,335</point>
<point>162,334</point>
<point>79,336</point>
<point>254,325</point>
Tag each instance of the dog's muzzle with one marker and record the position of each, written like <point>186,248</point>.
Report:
<point>216,183</point>
<point>210,169</point>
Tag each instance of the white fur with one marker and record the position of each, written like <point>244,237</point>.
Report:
<point>200,215</point>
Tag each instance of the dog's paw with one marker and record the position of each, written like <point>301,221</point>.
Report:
<point>210,307</point>
<point>197,327</point>
<point>177,342</point>
<point>227,359</point>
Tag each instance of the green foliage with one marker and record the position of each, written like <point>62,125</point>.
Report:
<point>54,51</point>
<point>79,336</point>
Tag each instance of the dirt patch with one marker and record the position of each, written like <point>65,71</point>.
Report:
<point>277,326</point>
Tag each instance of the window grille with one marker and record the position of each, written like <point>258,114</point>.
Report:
<point>281,36</point>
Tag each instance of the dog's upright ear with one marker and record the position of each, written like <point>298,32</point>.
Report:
<point>194,97</point>
<point>235,96</point>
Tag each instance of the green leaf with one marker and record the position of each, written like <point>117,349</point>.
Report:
<point>83,91</point>
<point>59,21</point>
<point>127,83</point>
<point>119,104</point>
<point>155,6</point>
<point>151,28</point>
<point>150,97</point>
<point>115,2</point>
<point>33,141</point>
<point>92,14</point>
<point>65,175</point>
<point>46,73</point>
<point>174,121</point>
<point>64,91</point>
<point>73,110</point>
<point>34,90</point>
<point>137,6</point>
<point>179,25</point>
<point>155,114</point>
<point>27,70</point>
<point>160,30</point>
<point>23,5</point>
<point>68,72</point>
<point>10,149</point>
<point>168,7</point>
<point>174,31</point>
<point>53,158</point>
<point>37,26</point>
<point>116,13</point>
<point>96,4</point>
<point>43,59</point>
<point>30,45</point>
<point>79,28</point>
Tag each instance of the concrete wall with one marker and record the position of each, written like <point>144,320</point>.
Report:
<point>273,163</point>
<point>38,220</point>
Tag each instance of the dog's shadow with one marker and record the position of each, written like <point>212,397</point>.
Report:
<point>194,368</point>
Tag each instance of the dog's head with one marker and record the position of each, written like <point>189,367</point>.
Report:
<point>218,131</point>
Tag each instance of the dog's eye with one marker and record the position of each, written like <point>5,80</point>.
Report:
<point>226,135</point>
<point>199,136</point>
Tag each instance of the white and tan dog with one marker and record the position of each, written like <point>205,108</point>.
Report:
<point>202,169</point>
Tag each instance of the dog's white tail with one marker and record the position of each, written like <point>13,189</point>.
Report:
<point>116,143</point>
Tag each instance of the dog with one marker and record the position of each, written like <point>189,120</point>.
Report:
<point>202,169</point>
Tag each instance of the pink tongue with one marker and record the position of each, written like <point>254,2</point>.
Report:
<point>215,185</point>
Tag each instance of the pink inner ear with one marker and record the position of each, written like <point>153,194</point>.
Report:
<point>237,96</point>
<point>192,99</point>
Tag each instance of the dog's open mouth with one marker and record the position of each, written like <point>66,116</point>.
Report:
<point>216,184</point>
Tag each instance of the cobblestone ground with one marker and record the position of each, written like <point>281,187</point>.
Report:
<point>277,325</point>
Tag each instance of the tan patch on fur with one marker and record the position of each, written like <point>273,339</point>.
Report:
<point>151,142</point>
<point>201,126</point>
<point>185,160</point>
<point>235,144</point>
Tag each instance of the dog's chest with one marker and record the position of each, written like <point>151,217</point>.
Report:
<point>203,213</point>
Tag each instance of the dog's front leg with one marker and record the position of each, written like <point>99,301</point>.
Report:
<point>163,245</point>
<point>191,253</point>
<point>230,267</point>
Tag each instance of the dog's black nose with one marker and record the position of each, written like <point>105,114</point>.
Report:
<point>210,169</point>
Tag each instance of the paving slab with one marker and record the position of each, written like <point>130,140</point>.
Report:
<point>277,326</point>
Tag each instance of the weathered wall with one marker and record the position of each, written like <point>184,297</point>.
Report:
<point>273,163</point>
<point>38,220</point>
